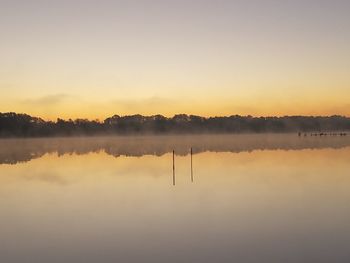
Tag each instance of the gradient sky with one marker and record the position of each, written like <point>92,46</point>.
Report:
<point>93,59</point>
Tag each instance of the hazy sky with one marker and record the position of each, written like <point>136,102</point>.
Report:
<point>96,58</point>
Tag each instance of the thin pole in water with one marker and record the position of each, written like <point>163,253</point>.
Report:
<point>191,166</point>
<point>173,167</point>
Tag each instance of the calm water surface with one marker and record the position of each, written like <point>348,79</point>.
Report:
<point>254,198</point>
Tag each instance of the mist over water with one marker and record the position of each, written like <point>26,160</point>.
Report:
<point>14,151</point>
<point>252,198</point>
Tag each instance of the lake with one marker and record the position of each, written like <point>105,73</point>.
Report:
<point>245,198</point>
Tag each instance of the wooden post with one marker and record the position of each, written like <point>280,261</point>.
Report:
<point>173,167</point>
<point>191,166</point>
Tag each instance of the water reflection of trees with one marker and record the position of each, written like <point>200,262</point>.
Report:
<point>14,151</point>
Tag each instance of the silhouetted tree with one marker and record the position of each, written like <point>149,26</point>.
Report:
<point>23,125</point>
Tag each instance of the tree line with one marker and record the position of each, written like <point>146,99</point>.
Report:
<point>24,125</point>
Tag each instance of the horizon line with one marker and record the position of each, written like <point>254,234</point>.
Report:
<point>177,114</point>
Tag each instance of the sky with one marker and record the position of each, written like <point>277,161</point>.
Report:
<point>93,59</point>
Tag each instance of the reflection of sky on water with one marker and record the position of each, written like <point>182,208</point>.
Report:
<point>259,206</point>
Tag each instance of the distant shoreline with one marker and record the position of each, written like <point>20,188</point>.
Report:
<point>13,125</point>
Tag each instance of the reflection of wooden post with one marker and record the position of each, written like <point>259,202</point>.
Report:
<point>173,167</point>
<point>191,167</point>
